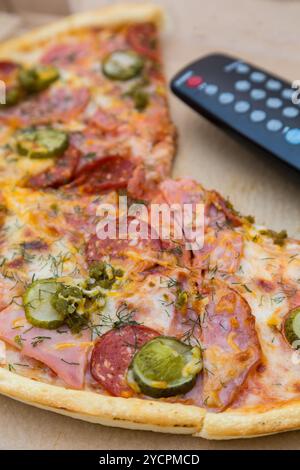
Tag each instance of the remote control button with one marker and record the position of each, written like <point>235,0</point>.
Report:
<point>242,68</point>
<point>194,81</point>
<point>293,136</point>
<point>257,94</point>
<point>274,103</point>
<point>274,125</point>
<point>287,93</point>
<point>242,85</point>
<point>258,116</point>
<point>211,90</point>
<point>242,106</point>
<point>290,112</point>
<point>273,85</point>
<point>226,98</point>
<point>258,77</point>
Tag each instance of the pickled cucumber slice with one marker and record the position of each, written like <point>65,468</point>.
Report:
<point>292,326</point>
<point>42,143</point>
<point>165,367</point>
<point>38,78</point>
<point>38,306</point>
<point>122,65</point>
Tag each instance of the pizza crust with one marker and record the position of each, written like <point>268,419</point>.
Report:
<point>133,413</point>
<point>157,416</point>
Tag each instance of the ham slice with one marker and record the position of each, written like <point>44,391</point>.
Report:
<point>60,350</point>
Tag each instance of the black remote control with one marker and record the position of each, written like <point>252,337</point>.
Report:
<point>244,98</point>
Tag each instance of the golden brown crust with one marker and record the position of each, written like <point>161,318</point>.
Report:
<point>111,411</point>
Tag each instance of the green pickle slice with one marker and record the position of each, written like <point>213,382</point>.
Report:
<point>122,65</point>
<point>38,78</point>
<point>38,306</point>
<point>292,326</point>
<point>42,143</point>
<point>165,367</point>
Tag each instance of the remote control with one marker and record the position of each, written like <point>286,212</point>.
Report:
<point>246,99</point>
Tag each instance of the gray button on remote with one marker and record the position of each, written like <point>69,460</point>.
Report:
<point>274,125</point>
<point>226,98</point>
<point>211,89</point>
<point>258,115</point>
<point>274,103</point>
<point>287,93</point>
<point>242,106</point>
<point>290,112</point>
<point>242,85</point>
<point>258,77</point>
<point>243,68</point>
<point>257,94</point>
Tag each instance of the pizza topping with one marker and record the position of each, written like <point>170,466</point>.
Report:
<point>41,143</point>
<point>59,104</point>
<point>9,75</point>
<point>65,54</point>
<point>62,351</point>
<point>38,306</point>
<point>230,345</point>
<point>105,174</point>
<point>165,367</point>
<point>122,65</point>
<point>59,174</point>
<point>143,39</point>
<point>292,327</point>
<point>49,304</point>
<point>38,78</point>
<point>113,353</point>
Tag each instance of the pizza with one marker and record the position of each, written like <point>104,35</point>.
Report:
<point>131,328</point>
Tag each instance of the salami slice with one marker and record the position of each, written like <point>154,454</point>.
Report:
<point>59,174</point>
<point>65,54</point>
<point>230,346</point>
<point>143,39</point>
<point>54,105</point>
<point>104,174</point>
<point>113,353</point>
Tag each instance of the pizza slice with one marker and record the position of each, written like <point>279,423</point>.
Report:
<point>130,329</point>
<point>86,104</point>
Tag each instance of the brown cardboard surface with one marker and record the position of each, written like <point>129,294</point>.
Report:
<point>264,32</point>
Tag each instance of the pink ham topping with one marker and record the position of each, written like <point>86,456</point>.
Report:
<point>60,350</point>
<point>230,345</point>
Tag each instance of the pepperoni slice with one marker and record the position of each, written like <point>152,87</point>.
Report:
<point>230,345</point>
<point>108,173</point>
<point>59,174</point>
<point>55,105</point>
<point>8,68</point>
<point>117,247</point>
<point>64,54</point>
<point>143,39</point>
<point>113,353</point>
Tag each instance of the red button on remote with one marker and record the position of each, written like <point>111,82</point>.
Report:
<point>194,81</point>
